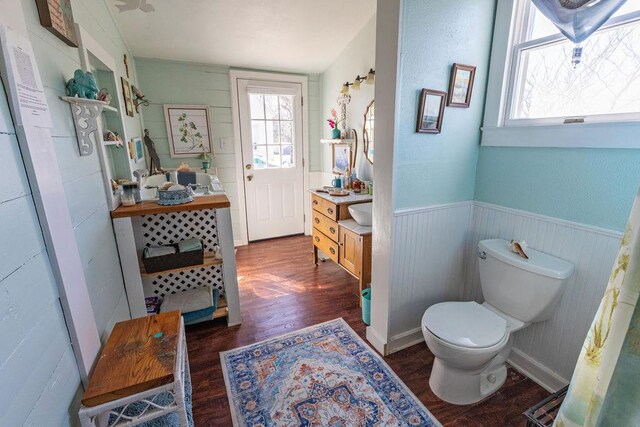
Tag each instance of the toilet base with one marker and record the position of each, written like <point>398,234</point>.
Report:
<point>464,388</point>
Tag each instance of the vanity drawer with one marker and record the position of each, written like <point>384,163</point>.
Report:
<point>325,225</point>
<point>325,244</point>
<point>325,207</point>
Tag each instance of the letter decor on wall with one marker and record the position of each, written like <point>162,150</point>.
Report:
<point>56,16</point>
<point>188,130</point>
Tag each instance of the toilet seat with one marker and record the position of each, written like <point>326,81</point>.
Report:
<point>465,324</point>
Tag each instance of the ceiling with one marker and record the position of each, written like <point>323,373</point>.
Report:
<point>289,35</point>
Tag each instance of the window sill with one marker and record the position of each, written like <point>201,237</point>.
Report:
<point>580,135</point>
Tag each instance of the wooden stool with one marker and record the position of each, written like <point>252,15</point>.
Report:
<point>143,358</point>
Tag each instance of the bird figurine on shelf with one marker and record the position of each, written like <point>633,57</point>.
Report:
<point>140,98</point>
<point>154,164</point>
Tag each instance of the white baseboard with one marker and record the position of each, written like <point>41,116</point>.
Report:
<point>375,340</point>
<point>238,242</point>
<point>540,374</point>
<point>405,340</point>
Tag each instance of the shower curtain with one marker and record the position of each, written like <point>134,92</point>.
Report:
<point>605,387</point>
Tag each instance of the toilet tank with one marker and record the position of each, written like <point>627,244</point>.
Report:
<point>527,289</point>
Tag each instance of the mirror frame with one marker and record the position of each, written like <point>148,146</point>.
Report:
<point>365,134</point>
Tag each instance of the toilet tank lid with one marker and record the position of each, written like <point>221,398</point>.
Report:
<point>538,262</point>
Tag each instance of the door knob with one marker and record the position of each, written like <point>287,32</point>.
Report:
<point>248,167</point>
<point>249,177</point>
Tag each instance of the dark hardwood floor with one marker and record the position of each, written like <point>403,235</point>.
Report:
<point>280,292</point>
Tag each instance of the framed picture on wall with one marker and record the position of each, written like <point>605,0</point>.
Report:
<point>138,150</point>
<point>431,111</point>
<point>126,96</point>
<point>56,16</point>
<point>461,85</point>
<point>341,158</point>
<point>188,129</point>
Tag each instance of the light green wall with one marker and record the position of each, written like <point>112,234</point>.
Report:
<point>38,373</point>
<point>435,169</point>
<point>173,82</point>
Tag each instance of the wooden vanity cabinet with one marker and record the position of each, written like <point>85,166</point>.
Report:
<point>344,246</point>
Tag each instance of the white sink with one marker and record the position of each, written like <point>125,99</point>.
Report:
<point>149,186</point>
<point>362,213</point>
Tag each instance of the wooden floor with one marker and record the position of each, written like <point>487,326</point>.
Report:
<point>280,292</point>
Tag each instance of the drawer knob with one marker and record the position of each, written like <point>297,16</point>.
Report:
<point>330,211</point>
<point>315,203</point>
<point>317,220</point>
<point>333,251</point>
<point>332,230</point>
<point>317,238</point>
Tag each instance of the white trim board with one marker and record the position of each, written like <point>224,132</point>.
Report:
<point>537,372</point>
<point>413,211</point>
<point>234,76</point>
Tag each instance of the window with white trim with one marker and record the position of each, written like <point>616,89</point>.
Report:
<point>544,87</point>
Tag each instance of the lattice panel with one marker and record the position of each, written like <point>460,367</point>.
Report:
<point>170,228</point>
<point>167,229</point>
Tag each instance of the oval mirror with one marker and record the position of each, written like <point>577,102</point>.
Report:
<point>368,134</point>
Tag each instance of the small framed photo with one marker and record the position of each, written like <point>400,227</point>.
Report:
<point>461,85</point>
<point>138,150</point>
<point>126,96</point>
<point>431,111</point>
<point>188,130</point>
<point>341,158</point>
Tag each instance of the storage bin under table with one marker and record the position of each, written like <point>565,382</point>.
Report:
<point>143,358</point>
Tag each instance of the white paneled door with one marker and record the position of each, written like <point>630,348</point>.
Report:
<point>271,131</point>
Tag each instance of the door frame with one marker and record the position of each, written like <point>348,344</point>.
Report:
<point>234,76</point>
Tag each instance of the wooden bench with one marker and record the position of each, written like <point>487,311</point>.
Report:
<point>143,358</point>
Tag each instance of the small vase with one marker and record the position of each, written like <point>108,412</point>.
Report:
<point>335,133</point>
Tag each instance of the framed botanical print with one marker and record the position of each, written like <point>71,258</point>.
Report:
<point>431,111</point>
<point>188,130</point>
<point>461,85</point>
<point>56,16</point>
<point>126,96</point>
<point>341,158</point>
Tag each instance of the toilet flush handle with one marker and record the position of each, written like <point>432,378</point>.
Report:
<point>482,254</point>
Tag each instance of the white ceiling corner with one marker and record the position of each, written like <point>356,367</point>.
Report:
<point>288,35</point>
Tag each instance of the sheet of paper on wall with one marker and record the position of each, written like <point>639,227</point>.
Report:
<point>24,80</point>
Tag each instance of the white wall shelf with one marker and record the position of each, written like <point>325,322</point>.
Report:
<point>337,141</point>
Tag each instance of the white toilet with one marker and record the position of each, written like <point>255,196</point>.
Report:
<point>470,341</point>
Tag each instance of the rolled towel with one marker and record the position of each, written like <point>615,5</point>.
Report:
<point>154,251</point>
<point>190,245</point>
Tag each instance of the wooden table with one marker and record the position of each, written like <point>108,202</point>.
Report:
<point>142,358</point>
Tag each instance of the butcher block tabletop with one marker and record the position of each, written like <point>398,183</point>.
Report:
<point>151,207</point>
<point>139,355</point>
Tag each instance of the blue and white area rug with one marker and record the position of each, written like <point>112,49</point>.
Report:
<point>324,375</point>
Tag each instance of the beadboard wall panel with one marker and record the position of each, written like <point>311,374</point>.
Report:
<point>428,264</point>
<point>555,344</point>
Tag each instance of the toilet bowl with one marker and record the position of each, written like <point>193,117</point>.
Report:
<point>472,341</point>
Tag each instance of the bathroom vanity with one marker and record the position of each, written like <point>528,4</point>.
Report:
<point>146,224</point>
<point>340,237</point>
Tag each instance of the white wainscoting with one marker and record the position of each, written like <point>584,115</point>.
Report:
<point>428,265</point>
<point>548,351</point>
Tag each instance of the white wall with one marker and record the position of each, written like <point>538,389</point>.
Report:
<point>38,371</point>
<point>356,58</point>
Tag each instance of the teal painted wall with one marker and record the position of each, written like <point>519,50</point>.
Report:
<point>590,186</point>
<point>594,186</point>
<point>173,82</point>
<point>435,169</point>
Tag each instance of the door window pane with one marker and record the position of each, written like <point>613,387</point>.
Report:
<point>259,157</point>
<point>271,107</point>
<point>256,104</point>
<point>257,132</point>
<point>273,132</point>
